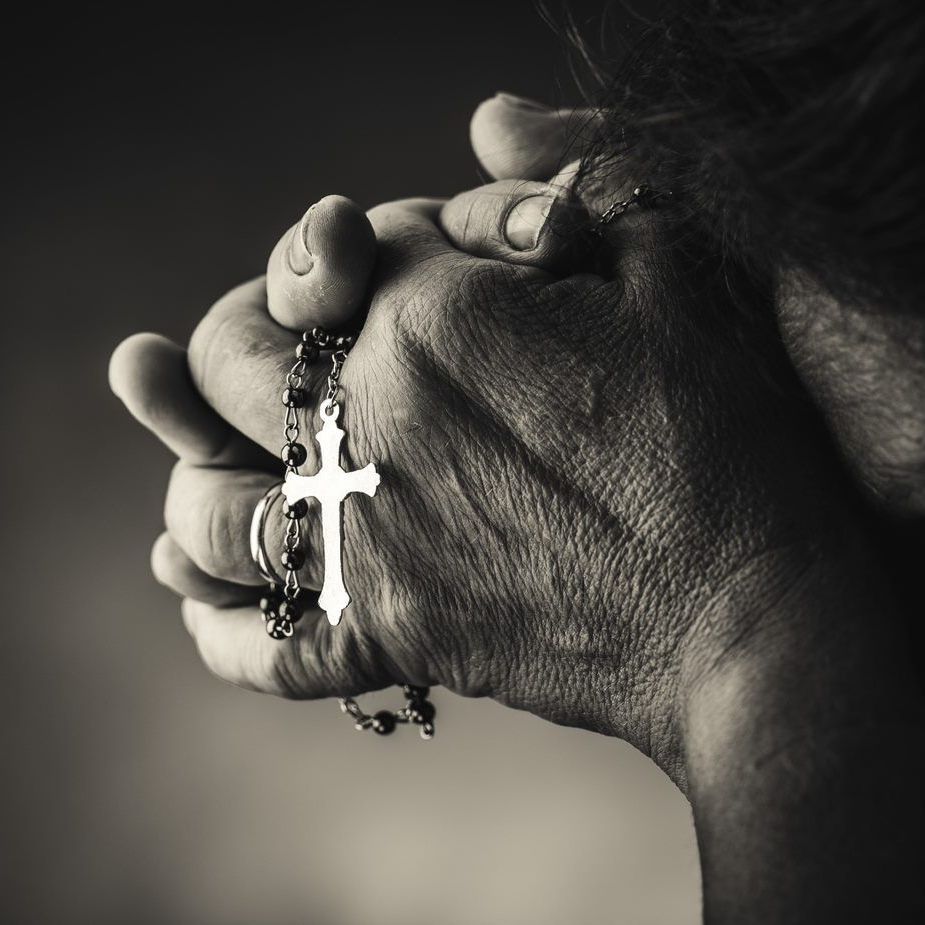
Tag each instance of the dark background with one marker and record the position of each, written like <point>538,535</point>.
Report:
<point>149,164</point>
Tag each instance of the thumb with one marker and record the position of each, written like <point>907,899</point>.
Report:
<point>319,271</point>
<point>518,221</point>
<point>515,137</point>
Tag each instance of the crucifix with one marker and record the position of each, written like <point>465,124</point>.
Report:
<point>330,485</point>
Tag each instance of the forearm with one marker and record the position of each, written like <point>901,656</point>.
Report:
<point>804,756</point>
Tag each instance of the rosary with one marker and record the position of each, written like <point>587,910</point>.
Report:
<point>282,607</point>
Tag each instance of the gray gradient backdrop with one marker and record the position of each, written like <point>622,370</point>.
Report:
<point>149,167</point>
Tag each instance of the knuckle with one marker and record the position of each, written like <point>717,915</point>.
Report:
<point>210,525</point>
<point>215,539</point>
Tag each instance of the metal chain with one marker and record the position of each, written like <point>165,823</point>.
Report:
<point>644,196</point>
<point>281,608</point>
<point>419,711</point>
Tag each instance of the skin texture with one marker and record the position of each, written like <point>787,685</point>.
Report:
<point>863,364</point>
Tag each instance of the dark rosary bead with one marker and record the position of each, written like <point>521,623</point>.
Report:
<point>294,454</point>
<point>343,342</point>
<point>268,605</point>
<point>289,610</point>
<point>384,722</point>
<point>295,511</point>
<point>415,693</point>
<point>278,629</point>
<point>292,559</point>
<point>420,711</point>
<point>293,398</point>
<point>321,337</point>
<point>307,352</point>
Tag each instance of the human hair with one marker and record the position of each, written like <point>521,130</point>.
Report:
<point>787,129</point>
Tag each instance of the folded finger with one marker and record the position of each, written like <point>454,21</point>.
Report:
<point>523,222</point>
<point>239,359</point>
<point>151,376</point>
<point>517,138</point>
<point>318,661</point>
<point>174,569</point>
<point>209,513</point>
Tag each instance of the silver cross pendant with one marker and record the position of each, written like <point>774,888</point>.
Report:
<point>330,485</point>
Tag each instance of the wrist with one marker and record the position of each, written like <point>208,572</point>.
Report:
<point>788,736</point>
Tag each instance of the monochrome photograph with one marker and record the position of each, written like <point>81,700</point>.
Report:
<point>464,464</point>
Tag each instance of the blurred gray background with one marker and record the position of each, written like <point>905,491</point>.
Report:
<point>149,165</point>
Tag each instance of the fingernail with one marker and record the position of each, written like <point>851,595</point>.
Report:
<point>525,221</point>
<point>300,256</point>
<point>520,102</point>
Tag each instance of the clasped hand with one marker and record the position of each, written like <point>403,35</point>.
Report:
<point>593,484</point>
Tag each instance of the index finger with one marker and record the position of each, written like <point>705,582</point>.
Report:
<point>239,358</point>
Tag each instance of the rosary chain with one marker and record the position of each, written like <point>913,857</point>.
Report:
<point>281,607</point>
<point>418,710</point>
<point>643,196</point>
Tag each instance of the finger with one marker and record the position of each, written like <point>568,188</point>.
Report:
<point>174,569</point>
<point>319,271</point>
<point>208,513</point>
<point>523,222</point>
<point>408,234</point>
<point>150,374</point>
<point>517,138</point>
<point>239,359</point>
<point>318,661</point>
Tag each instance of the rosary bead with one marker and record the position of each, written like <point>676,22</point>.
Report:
<point>295,511</point>
<point>415,693</point>
<point>306,351</point>
<point>289,610</point>
<point>420,712</point>
<point>384,722</point>
<point>268,605</point>
<point>343,342</point>
<point>293,398</point>
<point>294,454</point>
<point>321,337</point>
<point>278,629</point>
<point>292,559</point>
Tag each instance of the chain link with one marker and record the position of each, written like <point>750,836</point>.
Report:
<point>643,196</point>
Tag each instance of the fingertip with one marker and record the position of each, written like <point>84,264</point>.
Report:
<point>319,271</point>
<point>160,557</point>
<point>131,362</point>
<point>517,138</point>
<point>150,375</point>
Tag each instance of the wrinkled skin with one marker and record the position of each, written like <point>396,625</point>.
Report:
<point>589,489</point>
